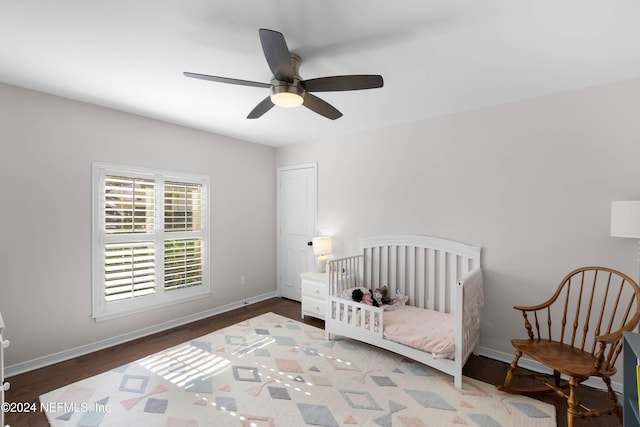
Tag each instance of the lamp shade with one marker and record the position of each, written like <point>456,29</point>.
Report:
<point>625,219</point>
<point>322,245</point>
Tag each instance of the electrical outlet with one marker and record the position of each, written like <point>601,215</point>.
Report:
<point>243,280</point>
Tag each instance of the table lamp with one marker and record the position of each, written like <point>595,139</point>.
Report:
<point>321,248</point>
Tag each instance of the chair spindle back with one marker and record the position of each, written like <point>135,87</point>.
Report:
<point>590,302</point>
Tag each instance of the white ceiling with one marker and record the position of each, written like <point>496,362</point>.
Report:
<point>437,57</point>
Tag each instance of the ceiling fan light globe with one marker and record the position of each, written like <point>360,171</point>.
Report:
<point>286,99</point>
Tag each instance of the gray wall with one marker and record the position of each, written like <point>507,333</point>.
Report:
<point>531,182</point>
<point>47,145</point>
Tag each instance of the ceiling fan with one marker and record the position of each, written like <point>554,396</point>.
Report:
<point>287,87</point>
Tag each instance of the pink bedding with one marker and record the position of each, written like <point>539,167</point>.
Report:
<point>426,330</point>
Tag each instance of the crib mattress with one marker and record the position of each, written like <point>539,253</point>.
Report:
<point>426,330</point>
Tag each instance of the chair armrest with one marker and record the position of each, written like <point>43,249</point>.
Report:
<point>545,304</point>
<point>609,338</point>
<point>532,307</point>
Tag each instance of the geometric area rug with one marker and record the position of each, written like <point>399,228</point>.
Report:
<point>273,371</point>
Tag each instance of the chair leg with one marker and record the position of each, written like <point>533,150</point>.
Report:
<point>512,368</point>
<point>616,408</point>
<point>528,391</point>
<point>572,403</point>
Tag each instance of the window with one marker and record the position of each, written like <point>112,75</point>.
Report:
<point>150,240</point>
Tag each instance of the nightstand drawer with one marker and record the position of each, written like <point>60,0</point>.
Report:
<point>314,290</point>
<point>314,294</point>
<point>314,307</point>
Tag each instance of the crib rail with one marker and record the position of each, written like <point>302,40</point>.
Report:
<point>344,273</point>
<point>345,316</point>
<point>424,268</point>
<point>361,319</point>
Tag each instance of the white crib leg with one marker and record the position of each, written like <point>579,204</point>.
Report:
<point>476,349</point>
<point>457,381</point>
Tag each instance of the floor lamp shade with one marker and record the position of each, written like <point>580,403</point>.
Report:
<point>625,219</point>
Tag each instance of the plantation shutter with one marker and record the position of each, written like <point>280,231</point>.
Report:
<point>182,263</point>
<point>129,270</point>
<point>182,206</point>
<point>129,209</point>
<point>129,205</point>
<point>150,239</point>
<point>183,258</point>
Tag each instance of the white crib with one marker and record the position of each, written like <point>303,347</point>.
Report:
<point>436,274</point>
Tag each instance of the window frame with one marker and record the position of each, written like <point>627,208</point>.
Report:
<point>103,310</point>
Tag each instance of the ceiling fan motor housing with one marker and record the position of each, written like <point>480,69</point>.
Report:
<point>288,94</point>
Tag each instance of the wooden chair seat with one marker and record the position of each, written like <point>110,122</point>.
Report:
<point>560,357</point>
<point>577,333</point>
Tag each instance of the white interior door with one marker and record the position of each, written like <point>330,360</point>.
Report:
<point>296,226</point>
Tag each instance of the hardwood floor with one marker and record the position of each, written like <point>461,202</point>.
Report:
<point>27,387</point>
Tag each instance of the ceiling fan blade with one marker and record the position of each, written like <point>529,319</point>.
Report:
<point>277,54</point>
<point>226,80</point>
<point>338,83</point>
<point>264,106</point>
<point>321,107</point>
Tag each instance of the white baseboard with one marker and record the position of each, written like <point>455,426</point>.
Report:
<point>532,365</point>
<point>41,362</point>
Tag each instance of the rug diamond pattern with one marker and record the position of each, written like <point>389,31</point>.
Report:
<point>272,371</point>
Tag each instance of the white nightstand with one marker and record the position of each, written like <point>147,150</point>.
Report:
<point>314,293</point>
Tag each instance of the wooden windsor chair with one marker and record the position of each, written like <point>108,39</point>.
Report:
<point>577,333</point>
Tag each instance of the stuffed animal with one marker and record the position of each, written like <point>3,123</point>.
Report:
<point>364,297</point>
<point>381,296</point>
